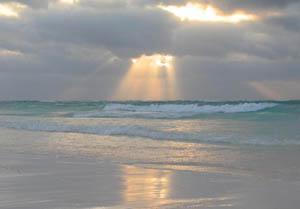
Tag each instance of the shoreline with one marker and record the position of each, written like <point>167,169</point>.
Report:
<point>73,171</point>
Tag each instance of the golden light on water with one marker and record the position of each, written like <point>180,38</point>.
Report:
<point>206,13</point>
<point>11,10</point>
<point>149,78</point>
<point>145,185</point>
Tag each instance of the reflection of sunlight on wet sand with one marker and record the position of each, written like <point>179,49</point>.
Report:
<point>169,155</point>
<point>151,180</point>
<point>152,188</point>
<point>145,185</point>
<point>149,78</point>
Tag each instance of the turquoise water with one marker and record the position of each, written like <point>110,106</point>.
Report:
<point>241,122</point>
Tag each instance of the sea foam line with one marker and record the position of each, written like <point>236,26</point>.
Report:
<point>225,108</point>
<point>171,110</point>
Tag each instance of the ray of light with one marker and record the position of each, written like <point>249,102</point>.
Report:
<point>277,89</point>
<point>206,13</point>
<point>149,78</point>
<point>11,10</point>
<point>264,90</point>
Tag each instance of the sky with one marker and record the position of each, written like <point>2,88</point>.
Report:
<point>149,49</point>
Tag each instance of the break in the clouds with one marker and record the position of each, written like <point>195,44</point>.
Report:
<point>86,49</point>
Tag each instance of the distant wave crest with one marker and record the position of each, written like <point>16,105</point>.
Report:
<point>173,110</point>
<point>226,108</point>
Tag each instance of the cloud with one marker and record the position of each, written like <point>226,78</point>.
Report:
<point>223,79</point>
<point>229,5</point>
<point>83,51</point>
<point>257,4</point>
<point>126,33</point>
<point>31,3</point>
<point>289,22</point>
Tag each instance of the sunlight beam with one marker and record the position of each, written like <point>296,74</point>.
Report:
<point>149,77</point>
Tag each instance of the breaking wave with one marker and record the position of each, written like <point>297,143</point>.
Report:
<point>172,110</point>
<point>225,108</point>
<point>239,122</point>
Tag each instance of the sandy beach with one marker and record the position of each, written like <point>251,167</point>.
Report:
<point>67,170</point>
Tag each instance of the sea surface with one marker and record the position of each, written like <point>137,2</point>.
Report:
<point>150,155</point>
<point>236,123</point>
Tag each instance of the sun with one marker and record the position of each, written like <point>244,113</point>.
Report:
<point>157,61</point>
<point>164,61</point>
<point>206,13</point>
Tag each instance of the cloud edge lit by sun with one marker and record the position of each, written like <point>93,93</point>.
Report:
<point>206,13</point>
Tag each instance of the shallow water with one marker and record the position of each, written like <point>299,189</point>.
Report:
<point>73,170</point>
<point>256,123</point>
<point>59,155</point>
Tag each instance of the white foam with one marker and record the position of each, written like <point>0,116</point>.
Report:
<point>225,108</point>
<point>171,110</point>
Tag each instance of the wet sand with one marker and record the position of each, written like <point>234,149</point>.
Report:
<point>62,171</point>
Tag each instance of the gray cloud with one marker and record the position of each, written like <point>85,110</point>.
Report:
<point>261,3</point>
<point>254,5</point>
<point>224,79</point>
<point>126,33</point>
<point>289,22</point>
<point>31,3</point>
<point>84,51</point>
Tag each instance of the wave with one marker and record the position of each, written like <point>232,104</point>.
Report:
<point>225,108</point>
<point>172,110</point>
<point>144,132</point>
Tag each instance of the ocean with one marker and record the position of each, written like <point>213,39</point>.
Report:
<point>236,123</point>
<point>150,155</point>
